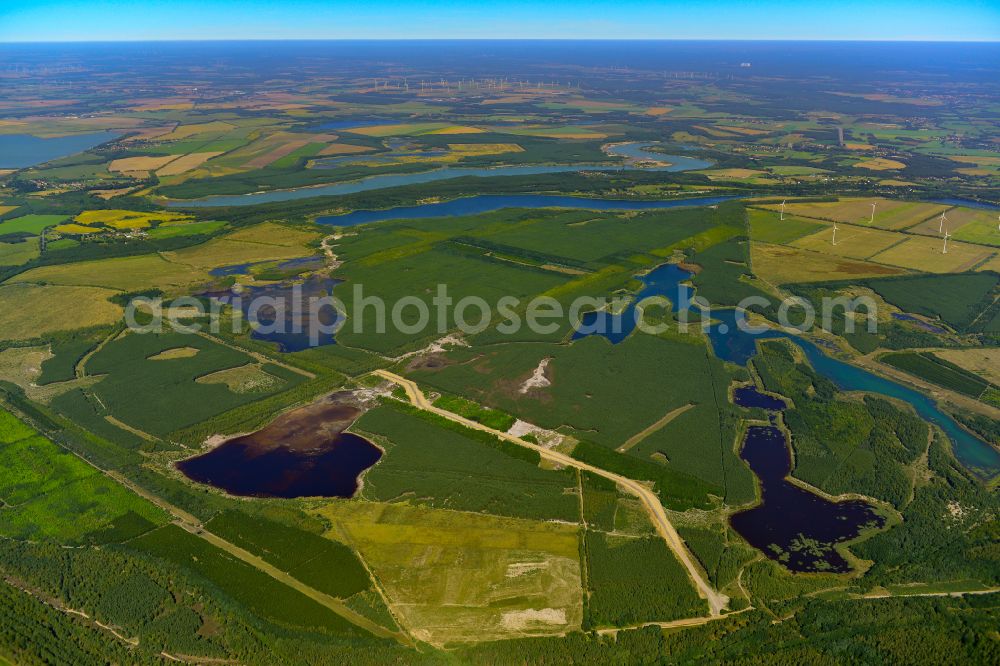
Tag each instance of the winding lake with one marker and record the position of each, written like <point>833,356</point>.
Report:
<point>731,342</point>
<point>18,151</point>
<point>790,524</point>
<point>677,163</point>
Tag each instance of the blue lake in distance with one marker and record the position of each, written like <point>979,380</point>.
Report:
<point>486,203</point>
<point>18,151</point>
<point>631,151</point>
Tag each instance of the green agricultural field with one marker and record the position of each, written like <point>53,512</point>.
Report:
<point>768,227</point>
<point>29,311</point>
<point>17,254</point>
<point>160,396</point>
<point>192,229</point>
<point>30,224</point>
<point>432,462</point>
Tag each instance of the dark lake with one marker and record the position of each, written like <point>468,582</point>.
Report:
<point>23,150</point>
<point>749,396</point>
<point>303,453</point>
<point>286,314</point>
<point>792,525</point>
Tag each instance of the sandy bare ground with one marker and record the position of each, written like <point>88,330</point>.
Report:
<point>538,378</point>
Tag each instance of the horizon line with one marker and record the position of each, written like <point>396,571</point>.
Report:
<point>500,39</point>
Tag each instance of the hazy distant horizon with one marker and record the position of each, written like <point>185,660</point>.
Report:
<point>495,39</point>
<point>196,20</point>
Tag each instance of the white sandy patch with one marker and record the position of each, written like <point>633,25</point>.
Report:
<point>547,438</point>
<point>538,378</point>
<point>522,619</point>
<point>438,346</point>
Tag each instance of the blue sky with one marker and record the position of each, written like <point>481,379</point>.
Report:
<point>98,20</point>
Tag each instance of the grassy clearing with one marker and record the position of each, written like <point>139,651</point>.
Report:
<point>128,274</point>
<point>29,311</point>
<point>17,254</point>
<point>982,362</point>
<point>460,577</point>
<point>178,270</point>
<point>23,365</point>
<point>880,164</point>
<point>250,378</point>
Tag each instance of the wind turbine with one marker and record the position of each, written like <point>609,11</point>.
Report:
<point>941,222</point>
<point>834,233</point>
<point>944,250</point>
<point>782,210</point>
<point>872,221</point>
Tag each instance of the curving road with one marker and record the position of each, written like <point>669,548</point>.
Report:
<point>716,600</point>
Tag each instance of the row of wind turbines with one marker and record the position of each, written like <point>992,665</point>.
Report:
<point>942,229</point>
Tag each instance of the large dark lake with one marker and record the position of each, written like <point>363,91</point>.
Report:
<point>304,453</point>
